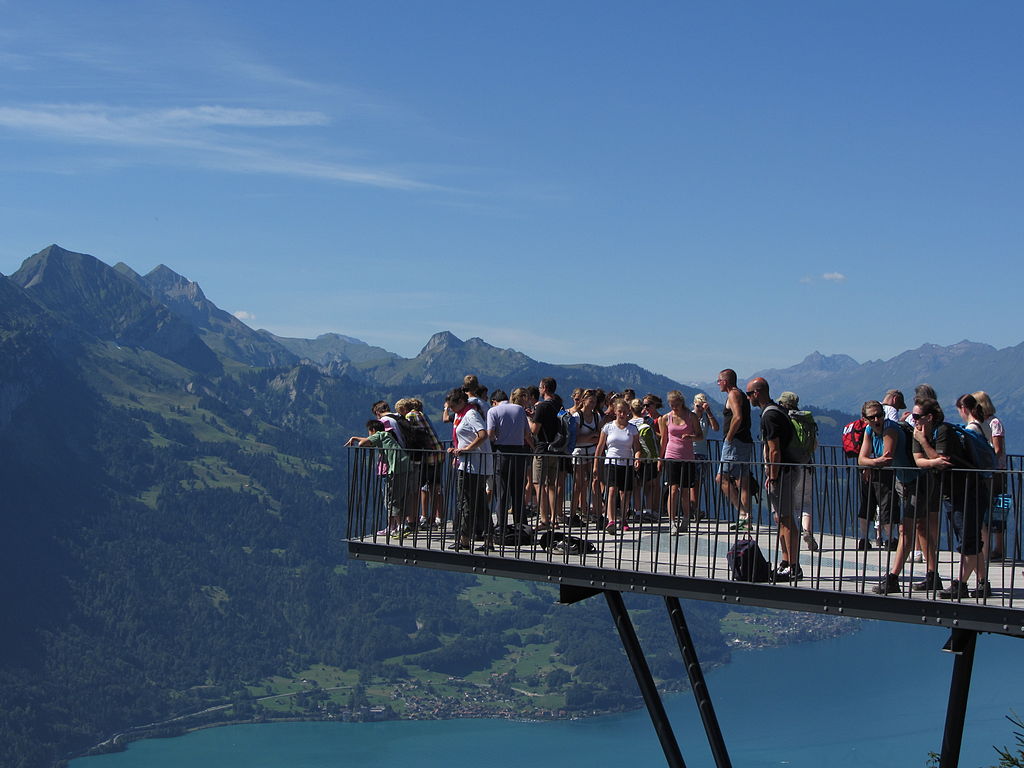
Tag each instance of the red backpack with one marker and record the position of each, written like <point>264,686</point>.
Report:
<point>853,436</point>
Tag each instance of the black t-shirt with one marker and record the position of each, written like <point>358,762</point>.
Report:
<point>775,425</point>
<point>947,443</point>
<point>545,413</point>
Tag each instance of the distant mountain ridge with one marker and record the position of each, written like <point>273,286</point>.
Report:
<point>839,382</point>
<point>90,295</point>
<point>328,348</point>
<point>222,332</point>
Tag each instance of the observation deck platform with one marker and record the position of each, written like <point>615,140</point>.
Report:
<point>837,578</point>
<point>647,559</point>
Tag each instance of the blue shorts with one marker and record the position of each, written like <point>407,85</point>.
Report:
<point>735,460</point>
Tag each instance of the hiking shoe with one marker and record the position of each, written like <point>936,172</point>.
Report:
<point>678,528</point>
<point>957,589</point>
<point>890,585</point>
<point>610,528</point>
<point>984,589</point>
<point>788,572</point>
<point>929,583</point>
<point>810,542</point>
<point>863,545</point>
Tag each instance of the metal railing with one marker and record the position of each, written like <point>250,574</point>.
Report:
<point>493,508</point>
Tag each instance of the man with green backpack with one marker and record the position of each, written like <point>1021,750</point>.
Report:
<point>806,448</point>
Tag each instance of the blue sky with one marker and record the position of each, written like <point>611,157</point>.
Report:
<point>683,185</point>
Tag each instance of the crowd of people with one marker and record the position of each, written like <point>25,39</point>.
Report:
<point>625,461</point>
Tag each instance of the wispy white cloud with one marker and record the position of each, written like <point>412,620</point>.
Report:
<point>211,136</point>
<point>831,277</point>
<point>244,315</point>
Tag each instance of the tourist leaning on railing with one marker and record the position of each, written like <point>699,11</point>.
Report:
<point>397,476</point>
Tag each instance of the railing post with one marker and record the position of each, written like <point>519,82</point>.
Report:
<point>700,689</point>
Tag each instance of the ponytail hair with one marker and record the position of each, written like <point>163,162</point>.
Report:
<point>969,404</point>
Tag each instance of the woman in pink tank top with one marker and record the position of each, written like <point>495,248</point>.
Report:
<point>679,428</point>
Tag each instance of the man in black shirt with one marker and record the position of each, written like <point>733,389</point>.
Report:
<point>779,438</point>
<point>544,425</point>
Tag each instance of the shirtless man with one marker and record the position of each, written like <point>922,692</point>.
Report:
<point>737,449</point>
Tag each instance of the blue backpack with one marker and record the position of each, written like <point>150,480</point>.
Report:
<point>979,453</point>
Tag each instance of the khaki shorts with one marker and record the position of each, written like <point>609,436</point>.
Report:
<point>546,468</point>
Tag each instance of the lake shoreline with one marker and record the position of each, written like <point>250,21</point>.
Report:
<point>119,742</point>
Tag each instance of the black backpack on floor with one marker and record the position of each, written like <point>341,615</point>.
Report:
<point>747,562</point>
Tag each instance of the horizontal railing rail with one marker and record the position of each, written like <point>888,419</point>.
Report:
<point>961,527</point>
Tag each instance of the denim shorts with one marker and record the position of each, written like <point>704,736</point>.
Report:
<point>735,460</point>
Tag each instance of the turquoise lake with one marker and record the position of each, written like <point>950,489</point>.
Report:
<point>873,698</point>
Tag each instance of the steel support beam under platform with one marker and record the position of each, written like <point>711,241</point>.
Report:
<point>962,643</point>
<point>637,660</point>
<point>697,684</point>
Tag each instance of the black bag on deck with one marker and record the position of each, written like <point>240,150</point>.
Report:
<point>747,562</point>
<point>515,536</point>
<point>556,541</point>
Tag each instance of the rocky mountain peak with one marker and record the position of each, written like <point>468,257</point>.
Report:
<point>441,341</point>
<point>819,362</point>
<point>168,282</point>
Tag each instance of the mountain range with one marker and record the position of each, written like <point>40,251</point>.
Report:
<point>841,383</point>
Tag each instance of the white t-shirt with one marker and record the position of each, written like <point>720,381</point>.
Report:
<point>619,442</point>
<point>995,426</point>
<point>393,428</point>
<point>477,461</point>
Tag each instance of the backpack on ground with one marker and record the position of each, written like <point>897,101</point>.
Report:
<point>515,536</point>
<point>556,541</point>
<point>853,437</point>
<point>747,563</point>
